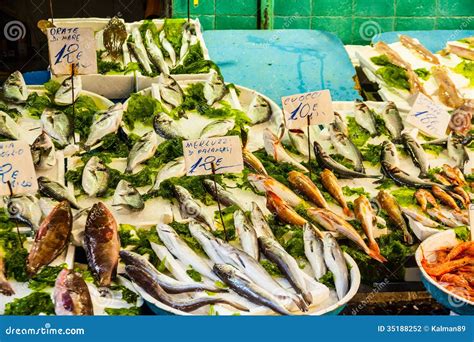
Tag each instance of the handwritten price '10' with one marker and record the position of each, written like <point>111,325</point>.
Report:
<point>305,110</point>
<point>206,164</point>
<point>430,120</point>
<point>69,52</point>
<point>8,174</point>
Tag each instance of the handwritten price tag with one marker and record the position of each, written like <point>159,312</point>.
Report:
<point>224,152</point>
<point>72,45</point>
<point>316,105</point>
<point>16,167</point>
<point>429,117</point>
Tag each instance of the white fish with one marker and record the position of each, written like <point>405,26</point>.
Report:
<point>8,127</point>
<point>313,250</point>
<point>104,123</point>
<point>175,266</point>
<point>95,177</point>
<point>214,88</point>
<point>14,88</point>
<point>142,150</point>
<point>174,168</point>
<point>275,149</point>
<point>155,53</point>
<point>57,125</point>
<point>168,48</point>
<point>139,51</point>
<point>64,95</point>
<point>217,128</point>
<point>247,234</point>
<point>336,263</point>
<point>259,222</point>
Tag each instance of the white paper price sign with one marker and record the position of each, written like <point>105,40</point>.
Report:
<point>224,152</point>
<point>429,117</point>
<point>72,45</point>
<point>16,168</point>
<point>316,105</point>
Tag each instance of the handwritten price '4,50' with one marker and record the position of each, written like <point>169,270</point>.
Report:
<point>69,52</point>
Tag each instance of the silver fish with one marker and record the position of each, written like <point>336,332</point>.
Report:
<point>457,151</point>
<point>313,250</point>
<point>56,191</point>
<point>393,121</point>
<point>139,52</point>
<point>170,91</point>
<point>168,283</point>
<point>57,125</point>
<point>188,39</point>
<point>142,150</point>
<point>105,122</point>
<point>259,110</point>
<point>26,209</point>
<point>206,239</point>
<point>14,88</point>
<point>174,168</point>
<point>190,208</point>
<point>416,153</point>
<point>336,263</point>
<point>326,161</point>
<point>217,128</point>
<point>247,234</point>
<point>425,221</point>
<point>440,216</point>
<point>214,88</point>
<point>345,147</point>
<point>95,177</point>
<point>65,94</point>
<point>127,197</point>
<point>365,118</point>
<point>259,222</point>
<point>155,53</point>
<point>340,124</point>
<point>43,152</point>
<point>8,127</point>
<point>389,153</point>
<point>183,252</point>
<point>404,179</point>
<point>287,265</point>
<point>246,288</point>
<point>275,149</point>
<point>168,47</point>
<point>166,127</point>
<point>218,192</point>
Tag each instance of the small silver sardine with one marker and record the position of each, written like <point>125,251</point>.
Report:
<point>259,222</point>
<point>190,208</point>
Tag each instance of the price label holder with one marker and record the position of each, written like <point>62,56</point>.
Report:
<point>72,46</point>
<point>213,156</point>
<point>17,171</point>
<point>429,117</point>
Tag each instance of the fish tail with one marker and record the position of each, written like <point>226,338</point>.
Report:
<point>375,254</point>
<point>6,289</point>
<point>407,237</point>
<point>347,211</point>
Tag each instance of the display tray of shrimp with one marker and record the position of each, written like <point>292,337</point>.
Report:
<point>309,218</point>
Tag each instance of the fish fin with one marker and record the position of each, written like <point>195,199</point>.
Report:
<point>347,211</point>
<point>374,254</point>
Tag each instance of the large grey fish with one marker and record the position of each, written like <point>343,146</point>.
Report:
<point>145,280</point>
<point>189,208</point>
<point>166,127</point>
<point>404,179</point>
<point>105,122</point>
<point>287,265</point>
<point>51,238</point>
<point>217,128</point>
<point>142,150</point>
<point>214,88</point>
<point>259,221</point>
<point>156,56</point>
<point>183,252</point>
<point>246,233</point>
<point>219,193</point>
<point>25,208</point>
<point>345,147</point>
<point>138,50</point>
<point>417,154</point>
<point>14,88</point>
<point>56,191</point>
<point>336,263</point>
<point>57,125</point>
<point>326,161</point>
<point>168,283</point>
<point>127,197</point>
<point>65,94</point>
<point>174,168</point>
<point>71,295</point>
<point>389,153</point>
<point>170,91</point>
<point>393,121</point>
<point>457,151</point>
<point>365,117</point>
<point>101,243</point>
<point>221,252</point>
<point>392,208</point>
<point>168,47</point>
<point>313,250</point>
<point>95,177</point>
<point>246,288</point>
<point>259,110</point>
<point>43,152</point>
<point>8,127</point>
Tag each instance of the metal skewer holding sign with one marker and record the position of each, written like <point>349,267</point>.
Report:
<point>213,156</point>
<point>305,110</point>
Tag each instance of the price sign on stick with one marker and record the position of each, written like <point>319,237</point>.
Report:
<point>72,45</point>
<point>225,153</point>
<point>16,168</point>
<point>314,107</point>
<point>429,117</point>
